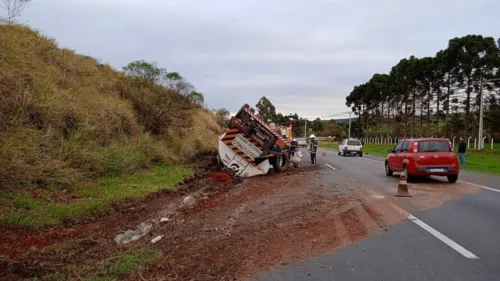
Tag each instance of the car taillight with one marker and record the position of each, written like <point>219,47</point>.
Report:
<point>345,147</point>
<point>451,145</point>
<point>415,147</point>
<point>361,148</point>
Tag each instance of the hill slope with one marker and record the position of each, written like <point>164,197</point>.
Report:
<point>65,118</point>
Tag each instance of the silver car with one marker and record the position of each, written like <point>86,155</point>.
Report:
<point>302,142</point>
<point>351,146</point>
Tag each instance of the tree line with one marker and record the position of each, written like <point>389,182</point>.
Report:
<point>433,96</point>
<point>267,111</point>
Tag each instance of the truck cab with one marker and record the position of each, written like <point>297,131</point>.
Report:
<point>250,146</point>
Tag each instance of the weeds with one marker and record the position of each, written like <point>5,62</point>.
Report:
<point>65,118</point>
<point>111,269</point>
<point>24,210</point>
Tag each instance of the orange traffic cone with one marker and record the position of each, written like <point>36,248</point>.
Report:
<point>323,153</point>
<point>402,190</point>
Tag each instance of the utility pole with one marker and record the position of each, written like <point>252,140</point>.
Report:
<point>349,132</point>
<point>481,111</point>
<point>305,129</point>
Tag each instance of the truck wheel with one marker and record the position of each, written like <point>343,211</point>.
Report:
<point>281,162</point>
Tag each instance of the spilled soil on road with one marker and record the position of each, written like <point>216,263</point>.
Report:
<point>236,230</point>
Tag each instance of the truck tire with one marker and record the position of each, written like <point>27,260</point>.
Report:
<point>281,162</point>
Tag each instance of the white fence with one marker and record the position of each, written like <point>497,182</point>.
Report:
<point>394,140</point>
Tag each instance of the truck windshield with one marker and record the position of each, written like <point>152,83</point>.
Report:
<point>433,146</point>
<point>353,142</point>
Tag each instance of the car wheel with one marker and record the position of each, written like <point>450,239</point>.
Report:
<point>452,178</point>
<point>339,152</point>
<point>388,171</point>
<point>361,155</point>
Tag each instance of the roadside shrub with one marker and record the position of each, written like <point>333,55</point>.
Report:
<point>66,118</point>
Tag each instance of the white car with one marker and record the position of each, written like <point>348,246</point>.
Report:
<point>302,142</point>
<point>351,146</point>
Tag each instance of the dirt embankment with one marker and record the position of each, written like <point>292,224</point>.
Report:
<point>238,231</point>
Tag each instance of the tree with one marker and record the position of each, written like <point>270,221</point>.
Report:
<point>155,104</point>
<point>266,109</point>
<point>317,126</point>
<point>177,83</point>
<point>146,71</point>
<point>420,92</point>
<point>331,129</point>
<point>13,9</point>
<point>196,97</point>
<point>222,116</point>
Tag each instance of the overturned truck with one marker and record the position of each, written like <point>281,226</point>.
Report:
<point>250,147</point>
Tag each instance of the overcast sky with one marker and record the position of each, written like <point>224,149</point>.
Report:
<point>305,56</point>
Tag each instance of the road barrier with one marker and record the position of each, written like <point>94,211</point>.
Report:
<point>402,190</point>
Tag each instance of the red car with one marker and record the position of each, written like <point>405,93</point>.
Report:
<point>423,157</point>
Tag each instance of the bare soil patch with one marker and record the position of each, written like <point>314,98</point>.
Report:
<point>239,230</point>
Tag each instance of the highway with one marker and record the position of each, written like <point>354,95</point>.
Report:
<point>452,231</point>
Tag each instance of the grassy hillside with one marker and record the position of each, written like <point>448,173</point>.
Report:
<point>66,119</point>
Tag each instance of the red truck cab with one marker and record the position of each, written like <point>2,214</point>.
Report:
<point>423,157</point>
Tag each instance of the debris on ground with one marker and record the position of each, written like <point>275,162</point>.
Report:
<point>156,239</point>
<point>269,220</point>
<point>189,201</point>
<point>164,219</point>
<point>134,235</point>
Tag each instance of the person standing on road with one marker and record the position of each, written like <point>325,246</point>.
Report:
<point>293,147</point>
<point>313,148</point>
<point>462,147</point>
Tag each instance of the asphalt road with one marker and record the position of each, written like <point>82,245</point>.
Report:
<point>457,239</point>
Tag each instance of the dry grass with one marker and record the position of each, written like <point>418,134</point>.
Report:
<point>64,118</point>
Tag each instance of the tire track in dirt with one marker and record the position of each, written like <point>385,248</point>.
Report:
<point>264,223</point>
<point>355,228</point>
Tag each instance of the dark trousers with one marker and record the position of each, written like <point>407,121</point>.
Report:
<point>313,158</point>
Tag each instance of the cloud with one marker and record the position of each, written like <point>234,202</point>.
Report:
<point>305,56</point>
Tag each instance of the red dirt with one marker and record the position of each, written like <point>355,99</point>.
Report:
<point>263,223</point>
<point>14,241</point>
<point>221,176</point>
<point>433,194</point>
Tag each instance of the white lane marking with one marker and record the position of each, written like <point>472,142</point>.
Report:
<point>481,186</point>
<point>329,166</point>
<point>368,159</point>
<point>454,245</point>
<point>466,182</point>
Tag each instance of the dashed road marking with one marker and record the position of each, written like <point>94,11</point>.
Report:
<point>329,166</point>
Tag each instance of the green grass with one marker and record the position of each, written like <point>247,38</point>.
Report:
<point>111,269</point>
<point>331,145</point>
<point>487,161</point>
<point>25,211</point>
<point>129,262</point>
